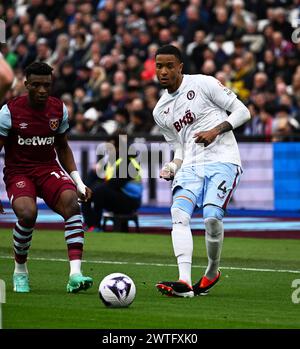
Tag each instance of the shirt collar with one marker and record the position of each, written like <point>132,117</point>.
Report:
<point>173,94</point>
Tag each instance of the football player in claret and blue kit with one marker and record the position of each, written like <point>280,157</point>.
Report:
<point>33,132</point>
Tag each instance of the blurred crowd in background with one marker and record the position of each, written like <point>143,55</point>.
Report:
<point>103,54</point>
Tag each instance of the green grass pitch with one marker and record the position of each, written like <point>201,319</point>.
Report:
<point>255,290</point>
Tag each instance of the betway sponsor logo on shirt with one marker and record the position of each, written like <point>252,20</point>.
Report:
<point>36,140</point>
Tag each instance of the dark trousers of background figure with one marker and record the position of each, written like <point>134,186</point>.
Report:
<point>106,198</point>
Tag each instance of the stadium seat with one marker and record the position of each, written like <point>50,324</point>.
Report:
<point>120,221</point>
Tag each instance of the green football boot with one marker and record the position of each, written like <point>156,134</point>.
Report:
<point>21,282</point>
<point>78,282</point>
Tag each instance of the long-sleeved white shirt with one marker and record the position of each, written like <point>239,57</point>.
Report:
<point>200,104</point>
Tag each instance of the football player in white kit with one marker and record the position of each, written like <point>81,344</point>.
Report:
<point>206,168</point>
<point>6,81</point>
<point>6,77</point>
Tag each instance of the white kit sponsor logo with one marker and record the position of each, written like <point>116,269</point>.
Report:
<point>36,140</point>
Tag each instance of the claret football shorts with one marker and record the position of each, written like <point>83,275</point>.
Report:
<point>46,182</point>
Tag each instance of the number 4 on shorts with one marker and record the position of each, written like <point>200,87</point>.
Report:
<point>222,187</point>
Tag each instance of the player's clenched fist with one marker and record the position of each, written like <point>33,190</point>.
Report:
<point>84,195</point>
<point>168,171</point>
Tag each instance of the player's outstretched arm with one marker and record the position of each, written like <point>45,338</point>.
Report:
<point>6,77</point>
<point>66,159</point>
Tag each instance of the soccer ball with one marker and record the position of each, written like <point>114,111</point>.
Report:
<point>117,290</point>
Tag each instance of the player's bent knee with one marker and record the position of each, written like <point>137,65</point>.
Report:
<point>72,209</point>
<point>27,215</point>
<point>213,216</point>
<point>212,211</point>
<point>180,216</point>
<point>213,228</point>
<point>67,205</point>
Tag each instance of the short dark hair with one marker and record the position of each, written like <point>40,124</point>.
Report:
<point>169,50</point>
<point>38,68</point>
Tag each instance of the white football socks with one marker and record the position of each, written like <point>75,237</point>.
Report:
<point>214,235</point>
<point>20,268</point>
<point>185,271</point>
<point>182,243</point>
<point>75,266</point>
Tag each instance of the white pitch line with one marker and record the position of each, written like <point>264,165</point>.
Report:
<point>156,264</point>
